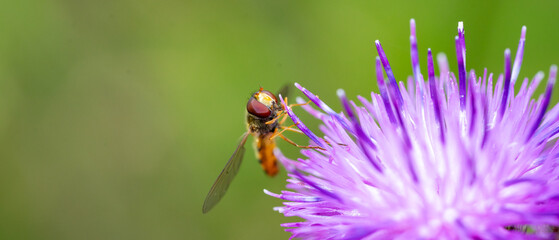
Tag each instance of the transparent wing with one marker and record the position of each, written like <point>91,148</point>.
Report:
<point>226,176</point>
<point>284,91</point>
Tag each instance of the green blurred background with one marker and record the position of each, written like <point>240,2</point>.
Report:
<point>117,116</point>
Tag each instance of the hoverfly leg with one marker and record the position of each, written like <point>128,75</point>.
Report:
<point>281,114</point>
<point>340,144</point>
<point>298,104</point>
<point>291,129</point>
<point>291,105</point>
<point>297,145</point>
<point>280,122</point>
<point>285,129</point>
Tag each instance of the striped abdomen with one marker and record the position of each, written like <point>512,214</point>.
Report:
<point>265,154</point>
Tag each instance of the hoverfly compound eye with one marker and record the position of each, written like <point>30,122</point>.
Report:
<point>257,108</point>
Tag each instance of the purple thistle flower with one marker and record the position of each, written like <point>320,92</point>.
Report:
<point>444,159</point>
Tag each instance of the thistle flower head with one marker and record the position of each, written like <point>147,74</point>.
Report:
<point>445,157</point>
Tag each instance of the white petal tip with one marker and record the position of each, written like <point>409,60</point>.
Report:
<point>340,92</point>
<point>441,56</point>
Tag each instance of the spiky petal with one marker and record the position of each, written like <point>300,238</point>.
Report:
<point>450,159</point>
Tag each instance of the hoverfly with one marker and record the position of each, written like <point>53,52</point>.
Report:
<point>263,111</point>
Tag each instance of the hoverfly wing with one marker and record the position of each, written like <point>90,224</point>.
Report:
<point>221,184</point>
<point>284,91</point>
